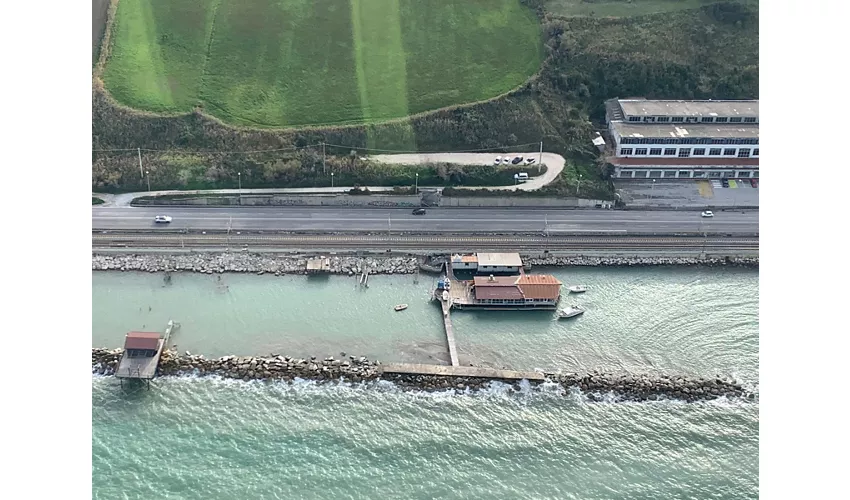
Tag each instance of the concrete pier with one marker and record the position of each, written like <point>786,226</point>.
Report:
<point>459,371</point>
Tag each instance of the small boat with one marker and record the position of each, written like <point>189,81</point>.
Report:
<point>577,289</point>
<point>570,312</point>
<point>400,307</point>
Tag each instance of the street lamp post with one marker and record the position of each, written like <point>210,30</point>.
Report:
<point>148,175</point>
<point>239,174</point>
<point>578,185</point>
<point>652,190</point>
<point>332,179</point>
<point>416,189</point>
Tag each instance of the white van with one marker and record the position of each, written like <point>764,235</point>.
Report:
<point>522,177</point>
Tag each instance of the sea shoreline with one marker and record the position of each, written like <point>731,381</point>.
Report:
<point>359,369</point>
<point>211,262</point>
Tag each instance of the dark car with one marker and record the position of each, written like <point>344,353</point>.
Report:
<point>725,183</point>
<point>754,183</point>
<point>418,211</point>
<point>516,160</point>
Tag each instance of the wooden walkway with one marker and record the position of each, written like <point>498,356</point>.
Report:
<point>450,334</point>
<point>139,367</point>
<point>459,371</point>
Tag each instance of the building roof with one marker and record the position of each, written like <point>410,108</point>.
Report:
<point>464,258</point>
<point>494,280</point>
<point>539,286</point>
<point>651,161</point>
<point>687,130</point>
<point>142,340</point>
<point>499,259</point>
<point>646,107</point>
<point>511,292</point>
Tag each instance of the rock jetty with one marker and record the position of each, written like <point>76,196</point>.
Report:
<point>210,263</point>
<point>643,261</point>
<point>595,386</point>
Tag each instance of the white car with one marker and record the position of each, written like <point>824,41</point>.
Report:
<point>529,161</point>
<point>162,219</point>
<point>498,160</point>
<point>707,213</point>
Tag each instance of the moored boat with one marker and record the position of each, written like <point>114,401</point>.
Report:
<point>570,312</point>
<point>577,289</point>
<point>400,307</point>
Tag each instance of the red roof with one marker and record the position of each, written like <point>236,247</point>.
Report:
<point>142,340</point>
<point>669,162</point>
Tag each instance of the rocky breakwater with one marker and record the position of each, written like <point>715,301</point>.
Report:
<point>595,386</point>
<point>210,263</point>
<point>643,261</point>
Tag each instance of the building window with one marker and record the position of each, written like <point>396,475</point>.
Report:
<point>743,174</point>
<point>655,173</point>
<point>744,153</point>
<point>648,119</point>
<point>721,119</point>
<point>641,173</point>
<point>669,151</point>
<point>749,119</point>
<point>735,119</point>
<point>699,174</point>
<point>655,151</point>
<point>625,151</point>
<point>714,152</point>
<point>756,152</point>
<point>684,173</point>
<point>756,174</point>
<point>684,152</point>
<point>707,119</point>
<point>662,119</point>
<point>714,175</point>
<point>669,173</point>
<point>729,152</point>
<point>640,151</point>
<point>634,118</point>
<point>699,152</point>
<point>677,119</point>
<point>691,119</point>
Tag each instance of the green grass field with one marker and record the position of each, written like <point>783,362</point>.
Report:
<point>284,63</point>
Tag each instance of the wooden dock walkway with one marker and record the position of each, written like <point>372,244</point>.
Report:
<point>459,371</point>
<point>450,334</point>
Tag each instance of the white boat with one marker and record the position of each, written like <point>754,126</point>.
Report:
<point>570,312</point>
<point>400,307</point>
<point>577,289</point>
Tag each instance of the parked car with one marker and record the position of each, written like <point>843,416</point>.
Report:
<point>707,213</point>
<point>498,160</point>
<point>724,182</point>
<point>529,161</point>
<point>418,211</point>
<point>516,160</point>
<point>754,183</point>
<point>162,219</point>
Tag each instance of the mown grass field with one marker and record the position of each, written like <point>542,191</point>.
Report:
<point>290,63</point>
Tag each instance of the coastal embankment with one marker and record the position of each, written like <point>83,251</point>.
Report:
<point>357,369</point>
<point>210,263</point>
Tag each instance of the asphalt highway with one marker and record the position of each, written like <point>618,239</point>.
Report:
<point>446,220</point>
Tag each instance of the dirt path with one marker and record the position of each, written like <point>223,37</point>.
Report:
<point>554,165</point>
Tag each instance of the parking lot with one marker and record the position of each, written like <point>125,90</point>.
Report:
<point>687,194</point>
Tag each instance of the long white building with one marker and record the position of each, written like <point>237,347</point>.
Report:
<point>683,139</point>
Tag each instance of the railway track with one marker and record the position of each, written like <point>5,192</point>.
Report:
<point>420,242</point>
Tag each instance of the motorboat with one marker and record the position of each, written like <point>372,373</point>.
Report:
<point>400,307</point>
<point>577,289</point>
<point>570,312</point>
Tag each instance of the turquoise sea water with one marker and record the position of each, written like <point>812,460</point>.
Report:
<point>209,438</point>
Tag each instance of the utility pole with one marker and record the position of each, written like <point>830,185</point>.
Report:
<point>139,150</point>
<point>323,158</point>
<point>540,157</point>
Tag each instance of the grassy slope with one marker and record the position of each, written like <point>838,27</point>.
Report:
<point>272,63</point>
<point>621,8</point>
<point>707,53</point>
